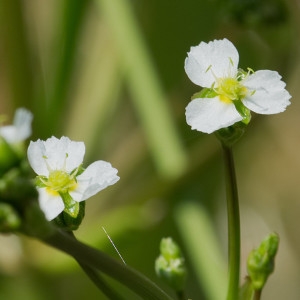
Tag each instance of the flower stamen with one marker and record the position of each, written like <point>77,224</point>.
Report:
<point>230,89</point>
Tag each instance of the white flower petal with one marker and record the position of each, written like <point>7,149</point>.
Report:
<point>58,149</point>
<point>61,154</point>
<point>35,154</point>
<point>210,114</point>
<point>9,133</point>
<point>22,121</point>
<point>95,178</point>
<point>51,205</point>
<point>270,96</point>
<point>21,128</point>
<point>219,56</point>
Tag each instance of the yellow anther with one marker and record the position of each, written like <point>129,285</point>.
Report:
<point>230,89</point>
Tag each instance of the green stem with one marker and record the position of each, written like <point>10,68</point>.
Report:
<point>233,224</point>
<point>89,256</point>
<point>181,295</point>
<point>100,282</point>
<point>257,295</point>
<point>97,279</point>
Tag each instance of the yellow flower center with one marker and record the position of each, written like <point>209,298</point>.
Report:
<point>230,89</point>
<point>60,182</point>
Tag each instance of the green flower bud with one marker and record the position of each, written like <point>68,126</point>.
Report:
<point>8,157</point>
<point>9,218</point>
<point>17,190</point>
<point>170,265</point>
<point>169,249</point>
<point>260,263</point>
<point>69,222</point>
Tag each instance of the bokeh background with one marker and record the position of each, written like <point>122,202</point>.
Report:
<point>110,73</point>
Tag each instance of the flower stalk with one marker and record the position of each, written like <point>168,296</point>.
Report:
<point>233,224</point>
<point>98,260</point>
<point>257,295</point>
<point>97,278</point>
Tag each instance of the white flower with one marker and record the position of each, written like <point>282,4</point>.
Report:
<point>232,90</point>
<point>21,128</point>
<point>61,182</point>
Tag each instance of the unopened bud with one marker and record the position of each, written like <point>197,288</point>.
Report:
<point>9,218</point>
<point>8,157</point>
<point>260,263</point>
<point>170,265</point>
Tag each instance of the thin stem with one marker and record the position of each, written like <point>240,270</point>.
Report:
<point>97,279</point>
<point>257,295</point>
<point>233,224</point>
<point>181,295</point>
<point>96,259</point>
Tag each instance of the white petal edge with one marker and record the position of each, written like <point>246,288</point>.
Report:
<point>22,121</point>
<point>21,128</point>
<point>269,93</point>
<point>51,205</point>
<point>35,153</point>
<point>95,178</point>
<point>210,114</point>
<point>62,154</point>
<point>217,58</point>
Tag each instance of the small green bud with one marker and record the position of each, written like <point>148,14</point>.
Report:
<point>170,265</point>
<point>9,218</point>
<point>17,190</point>
<point>260,263</point>
<point>8,157</point>
<point>169,249</point>
<point>66,221</point>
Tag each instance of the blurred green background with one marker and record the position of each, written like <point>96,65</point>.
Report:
<point>110,73</point>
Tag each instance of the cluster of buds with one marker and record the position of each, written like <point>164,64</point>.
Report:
<point>170,265</point>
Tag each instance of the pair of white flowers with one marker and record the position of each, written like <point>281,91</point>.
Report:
<point>230,92</point>
<point>229,95</point>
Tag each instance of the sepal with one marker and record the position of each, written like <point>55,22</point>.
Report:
<point>69,223</point>
<point>232,134</point>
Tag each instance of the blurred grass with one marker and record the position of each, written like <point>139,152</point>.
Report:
<point>110,73</point>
